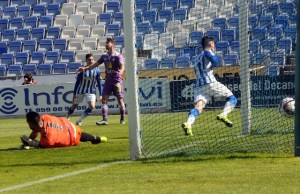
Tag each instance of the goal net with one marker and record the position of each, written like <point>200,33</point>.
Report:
<point>255,44</point>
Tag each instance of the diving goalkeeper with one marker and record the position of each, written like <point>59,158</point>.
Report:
<point>55,132</point>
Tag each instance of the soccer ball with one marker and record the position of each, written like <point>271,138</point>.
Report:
<point>287,106</point>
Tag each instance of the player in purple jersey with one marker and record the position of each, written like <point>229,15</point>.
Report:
<point>114,69</point>
<point>85,87</point>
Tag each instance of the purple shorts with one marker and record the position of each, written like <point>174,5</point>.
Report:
<point>113,88</point>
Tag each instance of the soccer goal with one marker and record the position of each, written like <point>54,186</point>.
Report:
<point>255,45</point>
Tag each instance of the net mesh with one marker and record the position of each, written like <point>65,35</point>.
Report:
<point>168,38</point>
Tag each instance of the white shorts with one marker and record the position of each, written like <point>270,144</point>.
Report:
<point>215,89</point>
<point>88,98</point>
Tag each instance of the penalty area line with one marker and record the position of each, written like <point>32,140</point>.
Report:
<point>100,166</point>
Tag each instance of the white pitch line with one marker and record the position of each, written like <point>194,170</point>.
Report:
<point>100,166</point>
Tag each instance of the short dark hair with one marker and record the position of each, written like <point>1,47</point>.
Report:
<point>28,76</point>
<point>32,117</point>
<point>88,56</point>
<point>110,39</point>
<point>205,41</point>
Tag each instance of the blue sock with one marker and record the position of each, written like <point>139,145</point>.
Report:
<point>86,113</point>
<point>194,112</point>
<point>232,99</point>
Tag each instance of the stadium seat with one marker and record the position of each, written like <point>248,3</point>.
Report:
<point>105,18</point>
<point>67,56</point>
<point>188,51</point>
<point>118,18</point>
<point>277,58</point>
<point>291,32</point>
<point>97,53</point>
<point>37,33</point>
<point>31,2</point>
<point>172,4</point>
<point>143,5</point>
<point>253,21</point>
<point>187,4</point>
<point>15,46</point>
<point>3,47</point>
<point>31,22</point>
<point>167,63</point>
<point>233,22</point>
<point>196,13</point>
<point>268,46</point>
<point>60,45</point>
<point>228,10</point>
<point>235,47</point>
<point>24,11</point>
<point>23,34</point>
<point>203,24</point>
<point>73,66</point>
<point>98,30</point>
<point>259,33</point>
<point>157,4</point>
<point>80,55</point>
<point>181,39</point>
<point>30,68</point>
<point>114,29</point>
<point>222,46</point>
<point>83,31</point>
<point>16,23</point>
<point>113,6</point>
<point>14,70</point>
<point>202,3</point>
<point>174,26</point>
<point>75,20</point>
<point>8,35</point>
<point>211,12</point>
<point>189,25</point>
<point>46,2</point>
<point>22,58</point>
<point>7,59</point>
<point>166,39</point>
<point>159,52</point>
<point>138,16</point>
<point>273,8</point>
<point>67,8</point>
<point>230,59</point>
<point>3,70</point>
<point>90,19</point>
<point>37,57</point>
<point>228,35</point>
<point>259,58</point>
<point>293,19</point>
<point>150,41</point>
<point>102,42</point>
<point>53,32</point>
<point>150,15</point>
<point>254,46</point>
<point>275,32</point>
<point>46,21</point>
<point>182,62</point>
<point>139,41</point>
<point>4,22</point>
<point>151,64</point>
<point>30,46</point>
<point>45,45</point>
<point>52,57</point>
<point>60,68</point>
<point>45,69</point>
<point>61,20</point>
<point>173,52</point>
<point>159,27</point>
<point>180,14</point>
<point>97,7</point>
<point>9,12</point>
<point>266,21</point>
<point>213,33</point>
<point>144,27</point>
<point>83,8</point>
<point>165,15</point>
<point>273,70</point>
<point>282,20</point>
<point>287,7</point>
<point>286,45</point>
<point>53,9</point>
<point>4,3</point>
<point>75,44</point>
<point>89,43</point>
<point>195,38</point>
<point>257,8</point>
<point>68,32</point>
<point>220,23</point>
<point>119,41</point>
<point>39,10</point>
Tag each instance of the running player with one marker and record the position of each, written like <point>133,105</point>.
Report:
<point>207,86</point>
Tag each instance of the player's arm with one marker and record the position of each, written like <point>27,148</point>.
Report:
<point>29,142</point>
<point>122,66</point>
<point>96,64</point>
<point>213,58</point>
<point>33,135</point>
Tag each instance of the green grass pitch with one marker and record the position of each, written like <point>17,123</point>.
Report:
<point>32,171</point>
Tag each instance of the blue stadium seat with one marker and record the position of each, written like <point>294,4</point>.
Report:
<point>259,33</point>
<point>213,33</point>
<point>3,47</point>
<point>30,46</point>
<point>172,4</point>
<point>273,70</point>
<point>150,15</point>
<point>39,10</point>
<point>7,59</point>
<point>45,69</point>
<point>180,14</point>
<point>119,41</point>
<point>253,21</point>
<point>37,57</point>
<point>143,5</point>
<point>59,1</point>
<point>22,58</point>
<point>30,68</point>
<point>9,12</point>
<point>31,22</point>
<point>182,62</point>
<point>165,15</point>
<point>235,47</point>
<point>113,5</point>
<point>287,7</point>
<point>53,32</point>
<point>118,17</point>
<point>257,8</point>
<point>273,8</point>
<point>151,63</point>
<point>157,4</point>
<point>16,3</point>
<point>188,51</point>
<point>45,45</point>
<point>2,70</point>
<point>277,58</point>
<point>73,66</point>
<point>167,63</point>
<point>67,56</point>
<point>285,44</point>
<point>52,57</point>
<point>16,23</point>
<point>105,18</point>
<point>14,70</point>
<point>46,21</point>
<point>268,46</point>
<point>228,35</point>
<point>24,11</point>
<point>46,2</point>
<point>293,19</point>
<point>144,27</point>
<point>114,29</point>
<point>138,16</point>
<point>173,52</point>
<point>37,33</point>
<point>187,4</point>
<point>4,24</point>
<point>8,35</point>
<point>291,32</point>
<point>4,3</point>
<point>15,46</point>
<point>195,38</point>
<point>266,21</point>
<point>159,26</point>
<point>31,2</point>
<point>220,23</point>
<point>254,46</point>
<point>23,34</point>
<point>233,22</point>
<point>139,41</point>
<point>60,68</point>
<point>222,46</point>
<point>230,59</point>
<point>60,44</point>
<point>282,20</point>
<point>53,9</point>
<point>275,32</point>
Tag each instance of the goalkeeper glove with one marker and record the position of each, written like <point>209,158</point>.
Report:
<point>29,142</point>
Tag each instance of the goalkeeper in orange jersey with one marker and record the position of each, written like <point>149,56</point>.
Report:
<point>55,132</point>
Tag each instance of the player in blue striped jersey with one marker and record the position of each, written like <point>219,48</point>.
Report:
<point>85,87</point>
<point>207,86</point>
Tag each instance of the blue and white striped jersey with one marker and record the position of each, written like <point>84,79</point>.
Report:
<point>86,82</point>
<point>203,67</point>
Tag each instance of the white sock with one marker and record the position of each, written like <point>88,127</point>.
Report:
<point>191,119</point>
<point>227,109</point>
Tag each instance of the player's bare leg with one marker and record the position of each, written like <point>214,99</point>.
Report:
<point>195,112</point>
<point>122,109</point>
<point>86,112</point>
<point>71,110</point>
